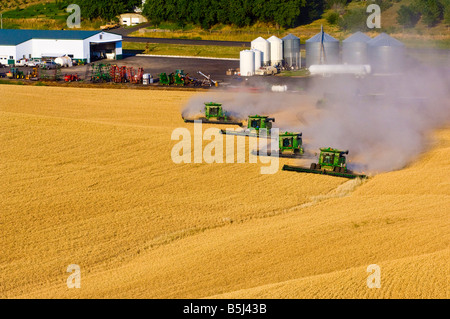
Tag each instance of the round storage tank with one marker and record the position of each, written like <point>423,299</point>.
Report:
<point>247,63</point>
<point>276,50</point>
<point>386,54</point>
<point>316,53</point>
<point>262,45</point>
<point>258,59</point>
<point>291,51</point>
<point>354,49</point>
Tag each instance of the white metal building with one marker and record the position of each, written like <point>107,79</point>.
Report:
<point>130,19</point>
<point>79,45</point>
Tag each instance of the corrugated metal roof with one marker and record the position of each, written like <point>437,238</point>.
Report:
<point>358,37</point>
<point>274,39</point>
<point>318,38</point>
<point>17,36</point>
<point>259,39</point>
<point>383,40</point>
<point>290,36</point>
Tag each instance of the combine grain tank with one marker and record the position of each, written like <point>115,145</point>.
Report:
<point>247,63</point>
<point>262,45</point>
<point>276,50</point>
<point>322,49</point>
<point>386,54</point>
<point>291,51</point>
<point>354,49</point>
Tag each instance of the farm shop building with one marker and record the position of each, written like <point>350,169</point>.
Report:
<point>81,45</point>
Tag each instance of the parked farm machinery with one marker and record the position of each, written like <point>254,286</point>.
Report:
<point>207,81</point>
<point>71,78</point>
<point>112,73</point>
<point>179,78</point>
<point>14,73</point>
<point>214,114</point>
<point>331,162</point>
<point>50,74</point>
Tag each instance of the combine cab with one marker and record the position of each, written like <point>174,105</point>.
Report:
<point>290,145</point>
<point>214,114</point>
<point>291,142</point>
<point>254,124</point>
<point>331,162</point>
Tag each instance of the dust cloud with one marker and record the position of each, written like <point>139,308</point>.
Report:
<point>384,121</point>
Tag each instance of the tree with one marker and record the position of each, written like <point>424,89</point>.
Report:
<point>354,20</point>
<point>407,16</point>
<point>432,11</point>
<point>446,5</point>
<point>332,17</point>
<point>106,9</point>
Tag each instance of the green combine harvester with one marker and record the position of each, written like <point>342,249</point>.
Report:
<point>290,145</point>
<point>214,114</point>
<point>254,124</point>
<point>331,162</point>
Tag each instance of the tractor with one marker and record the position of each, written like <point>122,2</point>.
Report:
<point>215,114</point>
<point>331,162</point>
<point>16,74</point>
<point>71,78</point>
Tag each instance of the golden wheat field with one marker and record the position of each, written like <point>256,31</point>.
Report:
<point>87,179</point>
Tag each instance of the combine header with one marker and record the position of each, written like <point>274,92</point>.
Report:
<point>254,124</point>
<point>215,114</point>
<point>290,146</point>
<point>331,162</point>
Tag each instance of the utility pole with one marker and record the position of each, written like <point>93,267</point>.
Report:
<point>1,19</point>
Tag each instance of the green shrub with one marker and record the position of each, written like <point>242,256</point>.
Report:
<point>354,20</point>
<point>332,17</point>
<point>407,16</point>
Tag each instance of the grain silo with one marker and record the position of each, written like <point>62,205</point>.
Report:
<point>322,49</point>
<point>291,51</point>
<point>276,50</point>
<point>262,45</point>
<point>386,54</point>
<point>258,59</point>
<point>354,49</point>
<point>247,63</point>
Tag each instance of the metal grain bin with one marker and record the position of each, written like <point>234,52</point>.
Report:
<point>291,51</point>
<point>322,49</point>
<point>386,54</point>
<point>354,49</point>
<point>276,50</point>
<point>262,45</point>
<point>247,63</point>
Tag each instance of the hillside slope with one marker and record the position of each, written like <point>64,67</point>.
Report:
<point>88,179</point>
